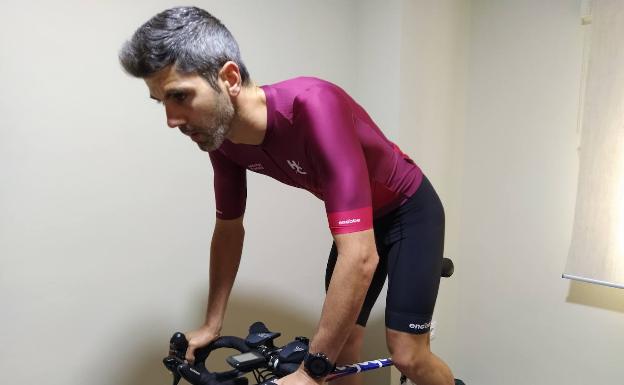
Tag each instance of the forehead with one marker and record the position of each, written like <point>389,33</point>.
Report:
<point>169,78</point>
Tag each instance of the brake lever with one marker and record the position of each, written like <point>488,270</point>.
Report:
<point>175,360</point>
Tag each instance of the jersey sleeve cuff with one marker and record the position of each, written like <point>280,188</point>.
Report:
<point>343,222</point>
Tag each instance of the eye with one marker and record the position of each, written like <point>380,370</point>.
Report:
<point>178,96</point>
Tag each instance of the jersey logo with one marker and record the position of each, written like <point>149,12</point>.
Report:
<point>295,166</point>
<point>349,221</point>
<point>256,167</point>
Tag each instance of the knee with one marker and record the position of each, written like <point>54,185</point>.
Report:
<point>411,359</point>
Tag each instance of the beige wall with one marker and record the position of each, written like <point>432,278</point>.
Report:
<point>506,167</point>
<point>520,177</point>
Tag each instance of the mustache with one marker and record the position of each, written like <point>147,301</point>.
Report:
<point>186,129</point>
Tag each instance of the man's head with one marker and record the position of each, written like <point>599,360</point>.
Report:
<point>188,37</point>
<point>191,63</point>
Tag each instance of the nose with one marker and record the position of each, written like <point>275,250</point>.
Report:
<point>174,119</point>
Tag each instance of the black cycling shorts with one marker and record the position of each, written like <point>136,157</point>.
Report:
<point>410,244</point>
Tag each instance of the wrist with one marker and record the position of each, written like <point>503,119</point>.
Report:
<point>212,328</point>
<point>309,379</point>
<point>317,346</point>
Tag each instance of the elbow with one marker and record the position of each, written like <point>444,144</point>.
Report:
<point>361,265</point>
<point>372,263</point>
<point>368,265</point>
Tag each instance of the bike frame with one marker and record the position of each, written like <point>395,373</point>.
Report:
<point>365,366</point>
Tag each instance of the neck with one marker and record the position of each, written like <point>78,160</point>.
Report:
<point>249,124</point>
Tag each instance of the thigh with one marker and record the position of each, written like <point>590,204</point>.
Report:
<point>415,262</point>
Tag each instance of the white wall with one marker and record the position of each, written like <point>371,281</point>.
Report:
<point>378,61</point>
<point>489,97</point>
<point>517,321</point>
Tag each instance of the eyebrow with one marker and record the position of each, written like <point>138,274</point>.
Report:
<point>173,91</point>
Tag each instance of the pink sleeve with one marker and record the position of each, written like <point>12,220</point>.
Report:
<point>230,186</point>
<point>326,115</point>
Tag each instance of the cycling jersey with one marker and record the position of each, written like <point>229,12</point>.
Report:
<point>319,139</point>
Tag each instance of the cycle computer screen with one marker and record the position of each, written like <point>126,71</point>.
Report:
<point>245,361</point>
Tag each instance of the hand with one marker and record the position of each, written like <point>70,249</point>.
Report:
<point>198,339</point>
<point>299,377</point>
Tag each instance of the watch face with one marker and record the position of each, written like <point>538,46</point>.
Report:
<point>318,365</point>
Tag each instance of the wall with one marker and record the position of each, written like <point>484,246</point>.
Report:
<point>517,321</point>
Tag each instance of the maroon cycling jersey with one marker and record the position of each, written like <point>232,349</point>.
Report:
<point>319,139</point>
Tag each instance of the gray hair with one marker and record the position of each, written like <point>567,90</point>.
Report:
<point>188,37</point>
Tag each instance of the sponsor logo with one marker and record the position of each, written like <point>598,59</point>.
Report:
<point>299,349</point>
<point>349,221</point>
<point>195,371</point>
<point>256,167</point>
<point>420,327</point>
<point>295,166</point>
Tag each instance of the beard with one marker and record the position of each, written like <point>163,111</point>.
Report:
<point>215,130</point>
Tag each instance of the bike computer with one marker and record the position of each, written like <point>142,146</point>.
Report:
<point>245,361</point>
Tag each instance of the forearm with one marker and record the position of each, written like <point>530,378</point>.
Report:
<point>350,281</point>
<point>225,254</point>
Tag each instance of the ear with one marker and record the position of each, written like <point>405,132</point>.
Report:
<point>230,75</point>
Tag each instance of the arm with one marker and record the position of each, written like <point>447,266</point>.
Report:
<point>225,255</point>
<point>356,264</point>
<point>225,250</point>
<point>333,142</point>
<point>230,185</point>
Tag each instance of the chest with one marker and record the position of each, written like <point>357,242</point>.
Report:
<point>285,159</point>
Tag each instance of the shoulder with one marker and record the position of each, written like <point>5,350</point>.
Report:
<point>320,96</point>
<point>319,91</point>
<point>304,89</point>
<point>300,83</point>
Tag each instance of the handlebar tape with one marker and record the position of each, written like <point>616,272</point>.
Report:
<point>222,342</point>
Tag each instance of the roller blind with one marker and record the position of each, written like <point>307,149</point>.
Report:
<point>597,248</point>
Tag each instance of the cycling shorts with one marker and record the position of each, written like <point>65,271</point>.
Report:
<point>410,244</point>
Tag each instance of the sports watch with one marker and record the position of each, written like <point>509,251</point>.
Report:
<point>317,365</point>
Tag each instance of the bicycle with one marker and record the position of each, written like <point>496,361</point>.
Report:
<point>259,355</point>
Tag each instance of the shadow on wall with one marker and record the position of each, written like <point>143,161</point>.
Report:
<point>242,312</point>
<point>599,296</point>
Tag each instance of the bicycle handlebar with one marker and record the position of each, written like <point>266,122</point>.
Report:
<point>268,358</point>
<point>197,373</point>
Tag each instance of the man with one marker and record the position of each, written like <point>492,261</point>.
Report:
<point>385,217</point>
